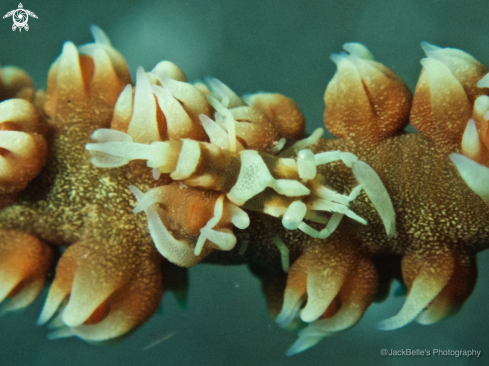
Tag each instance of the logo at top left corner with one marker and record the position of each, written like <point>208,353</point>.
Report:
<point>20,17</point>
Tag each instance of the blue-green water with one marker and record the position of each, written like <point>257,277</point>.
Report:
<point>280,46</point>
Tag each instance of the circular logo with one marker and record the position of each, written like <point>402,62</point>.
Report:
<point>20,18</point>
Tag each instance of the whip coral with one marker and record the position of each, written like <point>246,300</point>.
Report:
<point>139,181</point>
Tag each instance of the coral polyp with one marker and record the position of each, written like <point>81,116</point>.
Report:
<point>134,183</point>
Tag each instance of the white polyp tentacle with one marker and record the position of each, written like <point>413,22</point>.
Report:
<point>143,126</point>
<point>484,82</point>
<point>224,240</point>
<point>104,70</point>
<point>279,146</point>
<point>471,145</point>
<point>123,107</point>
<point>213,130</point>
<point>220,120</point>
<point>153,80</point>
<point>474,175</point>
<point>99,35</point>
<point>358,50</point>
<point>293,302</point>
<point>168,69</point>
<point>177,120</point>
<point>218,210</point>
<point>225,102</point>
<point>200,244</point>
<point>100,41</point>
<point>284,253</point>
<point>229,120</point>
<point>481,105</point>
<point>167,245</point>
<point>136,192</point>
<point>306,164</point>
<point>192,98</point>
<point>217,134</point>
<point>187,160</point>
<point>69,66</point>
<point>156,173</point>
<point>222,90</point>
<point>474,140</point>
<point>302,144</point>
<point>149,198</point>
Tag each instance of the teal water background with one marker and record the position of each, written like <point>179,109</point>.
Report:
<point>279,46</point>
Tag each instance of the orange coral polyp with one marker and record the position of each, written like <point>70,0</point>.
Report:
<point>24,264</point>
<point>76,82</point>
<point>381,99</point>
<point>198,174</point>
<point>15,83</point>
<point>24,148</point>
<point>282,111</point>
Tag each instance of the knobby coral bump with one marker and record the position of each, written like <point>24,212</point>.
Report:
<point>139,181</point>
